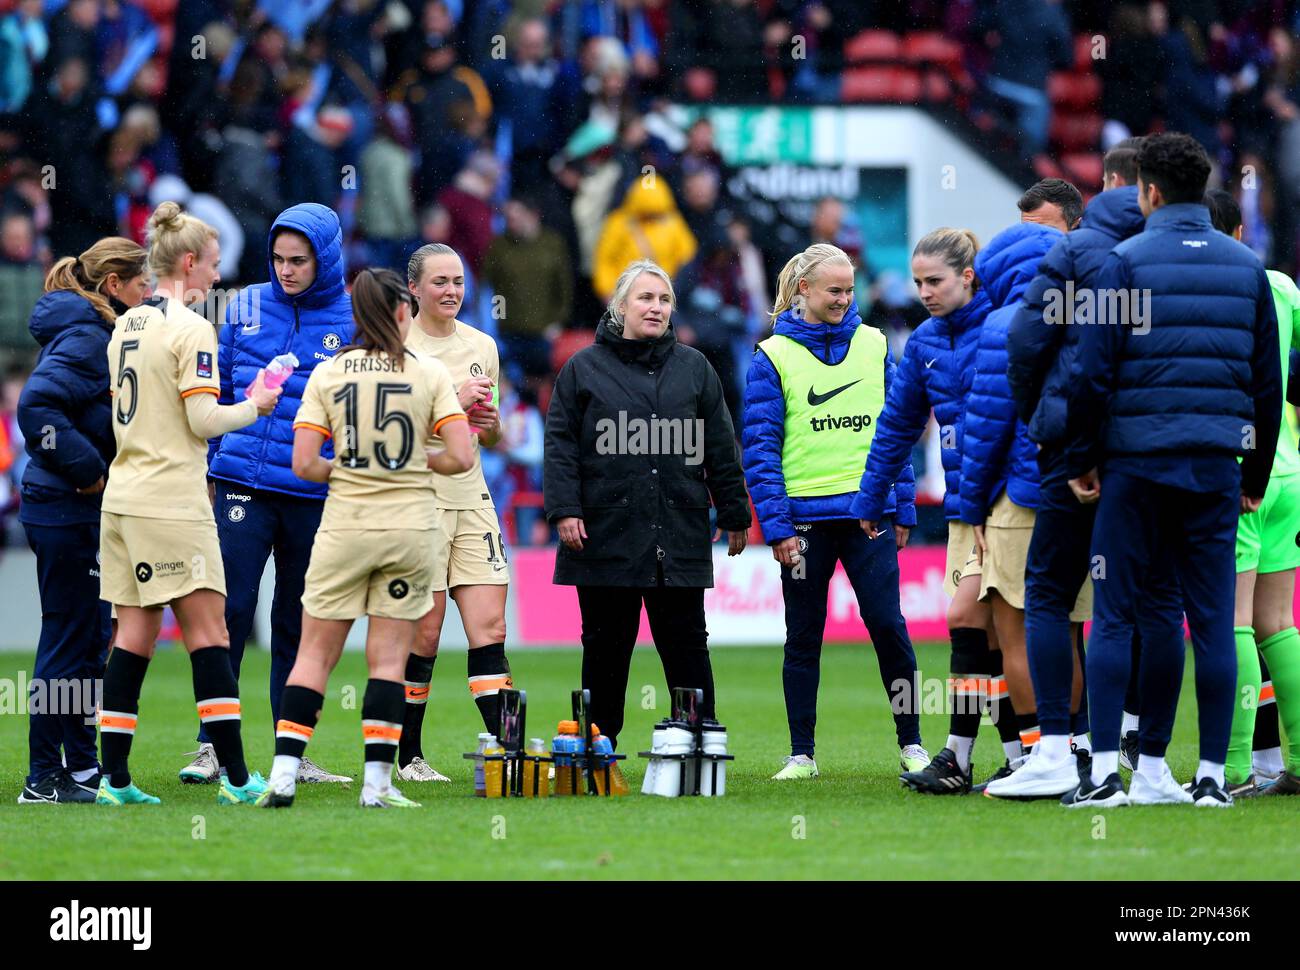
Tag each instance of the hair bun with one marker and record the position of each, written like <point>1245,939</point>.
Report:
<point>167,217</point>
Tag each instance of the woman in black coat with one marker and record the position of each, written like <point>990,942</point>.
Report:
<point>65,413</point>
<point>637,440</point>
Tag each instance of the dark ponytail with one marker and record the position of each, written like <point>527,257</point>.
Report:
<point>376,294</point>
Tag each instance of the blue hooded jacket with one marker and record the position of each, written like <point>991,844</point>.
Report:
<point>935,373</point>
<point>1041,350</point>
<point>65,412</point>
<point>763,435</point>
<point>264,322</point>
<point>996,450</point>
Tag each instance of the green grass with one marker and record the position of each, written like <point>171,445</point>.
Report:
<point>856,820</point>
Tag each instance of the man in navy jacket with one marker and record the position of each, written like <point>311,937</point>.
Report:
<point>1042,342</point>
<point>260,505</point>
<point>1178,377</point>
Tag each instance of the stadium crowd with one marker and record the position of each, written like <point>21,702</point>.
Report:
<point>518,133</point>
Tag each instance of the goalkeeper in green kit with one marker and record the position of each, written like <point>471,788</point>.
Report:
<point>1268,552</point>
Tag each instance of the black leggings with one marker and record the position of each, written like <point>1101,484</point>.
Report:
<point>610,618</point>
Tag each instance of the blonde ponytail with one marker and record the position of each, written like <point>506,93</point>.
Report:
<point>171,234</point>
<point>85,274</point>
<point>803,266</point>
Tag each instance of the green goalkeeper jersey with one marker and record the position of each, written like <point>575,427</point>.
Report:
<point>1286,300</point>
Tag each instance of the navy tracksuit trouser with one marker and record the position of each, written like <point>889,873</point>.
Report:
<point>872,568</point>
<point>1058,564</point>
<point>76,627</point>
<point>252,525</point>
<point>1163,548</point>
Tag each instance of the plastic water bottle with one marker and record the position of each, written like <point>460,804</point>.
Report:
<point>276,372</point>
<point>535,771</point>
<point>656,764</point>
<point>569,776</point>
<point>480,785</point>
<point>603,746</point>
<point>493,771</point>
<point>715,742</point>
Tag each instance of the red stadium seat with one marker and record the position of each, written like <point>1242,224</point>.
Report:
<point>898,85</point>
<point>932,47</point>
<point>1083,59</point>
<point>873,45</point>
<point>1078,92</point>
<point>1045,167</point>
<point>938,87</point>
<point>159,11</point>
<point>868,84</point>
<point>568,343</point>
<point>1084,168</point>
<point>1076,132</point>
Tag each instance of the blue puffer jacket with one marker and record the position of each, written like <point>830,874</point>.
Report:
<point>996,450</point>
<point>265,322</point>
<point>1191,374</point>
<point>65,412</point>
<point>935,373</point>
<point>1040,351</point>
<point>763,435</point>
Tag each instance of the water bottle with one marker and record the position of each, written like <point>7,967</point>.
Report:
<point>569,774</point>
<point>680,741</point>
<point>494,771</point>
<point>276,372</point>
<point>656,765</point>
<point>491,399</point>
<point>715,742</point>
<point>535,771</point>
<point>479,782</point>
<point>603,746</point>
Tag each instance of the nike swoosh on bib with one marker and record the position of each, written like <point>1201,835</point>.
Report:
<point>815,399</point>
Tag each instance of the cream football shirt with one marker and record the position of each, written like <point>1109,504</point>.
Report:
<point>380,414</point>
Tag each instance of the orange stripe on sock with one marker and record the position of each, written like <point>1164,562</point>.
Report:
<point>968,685</point>
<point>117,721</point>
<point>283,725</point>
<point>998,687</point>
<point>376,732</point>
<point>1266,694</point>
<point>1030,738</point>
<point>417,693</point>
<point>488,682</point>
<point>215,710</point>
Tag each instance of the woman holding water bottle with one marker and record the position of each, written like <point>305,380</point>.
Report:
<point>472,562</point>
<point>262,508</point>
<point>633,517</point>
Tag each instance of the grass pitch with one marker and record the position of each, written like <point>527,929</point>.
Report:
<point>853,822</point>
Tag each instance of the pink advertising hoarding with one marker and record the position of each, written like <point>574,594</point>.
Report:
<point>744,606</point>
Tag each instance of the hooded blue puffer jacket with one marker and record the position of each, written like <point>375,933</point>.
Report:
<point>996,450</point>
<point>264,322</point>
<point>1041,348</point>
<point>65,412</point>
<point>935,373</point>
<point>763,435</point>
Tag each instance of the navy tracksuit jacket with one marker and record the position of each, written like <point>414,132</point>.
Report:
<point>1164,403</point>
<point>65,414</point>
